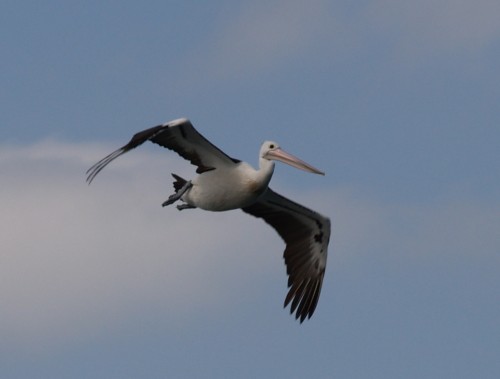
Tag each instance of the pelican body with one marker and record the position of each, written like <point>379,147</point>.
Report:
<point>242,186</point>
<point>224,183</point>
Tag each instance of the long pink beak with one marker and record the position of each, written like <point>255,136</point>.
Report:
<point>282,156</point>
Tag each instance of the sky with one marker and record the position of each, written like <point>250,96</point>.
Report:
<point>396,101</point>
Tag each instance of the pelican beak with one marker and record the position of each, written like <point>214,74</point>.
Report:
<point>282,156</point>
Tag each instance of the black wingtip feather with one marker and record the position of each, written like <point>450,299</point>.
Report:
<point>136,140</point>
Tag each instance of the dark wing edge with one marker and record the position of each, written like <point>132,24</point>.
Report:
<point>138,139</point>
<point>306,234</point>
<point>177,135</point>
<point>185,140</point>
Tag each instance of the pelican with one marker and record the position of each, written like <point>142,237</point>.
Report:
<point>224,183</point>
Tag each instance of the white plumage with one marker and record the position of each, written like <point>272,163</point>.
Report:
<point>224,183</point>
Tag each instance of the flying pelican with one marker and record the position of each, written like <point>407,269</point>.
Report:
<point>225,183</point>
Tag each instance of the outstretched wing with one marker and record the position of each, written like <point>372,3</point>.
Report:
<point>306,234</point>
<point>177,135</point>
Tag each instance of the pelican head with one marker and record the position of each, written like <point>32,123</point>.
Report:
<point>272,151</point>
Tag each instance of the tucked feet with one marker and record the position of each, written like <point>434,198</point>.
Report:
<point>185,206</point>
<point>177,195</point>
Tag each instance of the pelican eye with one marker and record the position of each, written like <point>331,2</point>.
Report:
<point>271,146</point>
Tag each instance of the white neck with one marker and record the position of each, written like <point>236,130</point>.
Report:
<point>265,172</point>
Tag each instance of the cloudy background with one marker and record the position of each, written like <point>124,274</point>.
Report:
<point>397,101</point>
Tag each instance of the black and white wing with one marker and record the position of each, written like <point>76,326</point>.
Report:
<point>177,135</point>
<point>306,234</point>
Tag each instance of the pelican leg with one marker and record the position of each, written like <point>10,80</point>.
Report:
<point>185,206</point>
<point>178,194</point>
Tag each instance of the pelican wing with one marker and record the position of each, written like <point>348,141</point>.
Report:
<point>306,234</point>
<point>179,136</point>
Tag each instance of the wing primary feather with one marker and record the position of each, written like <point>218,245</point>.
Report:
<point>96,168</point>
<point>299,295</point>
<point>306,234</point>
<point>305,305</point>
<point>137,139</point>
<point>177,135</point>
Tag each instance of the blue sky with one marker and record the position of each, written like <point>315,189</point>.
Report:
<point>396,101</point>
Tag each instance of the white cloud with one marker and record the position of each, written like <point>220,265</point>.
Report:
<point>262,36</point>
<point>453,227</point>
<point>265,37</point>
<point>438,27</point>
<point>266,33</point>
<point>78,260</point>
